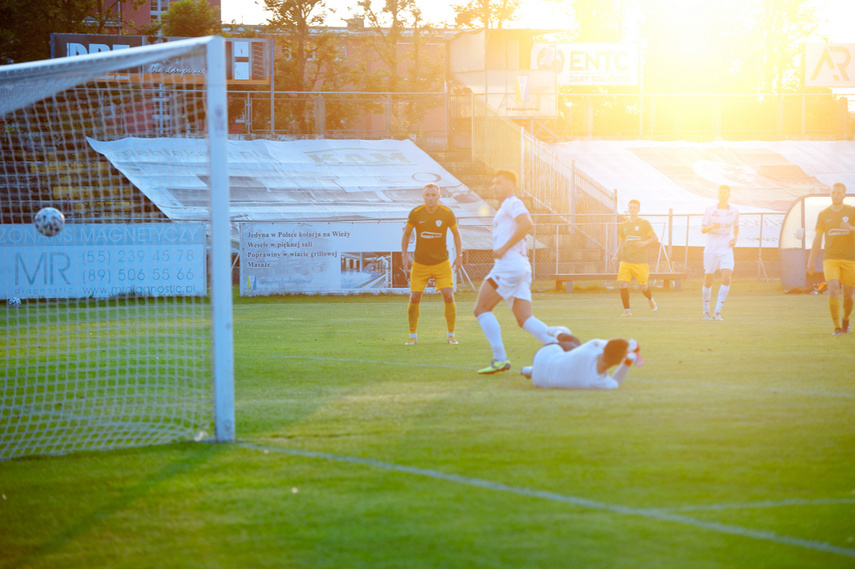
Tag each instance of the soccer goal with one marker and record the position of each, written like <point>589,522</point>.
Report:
<point>116,331</point>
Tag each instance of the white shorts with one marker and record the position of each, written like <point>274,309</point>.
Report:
<point>718,259</point>
<point>512,283</point>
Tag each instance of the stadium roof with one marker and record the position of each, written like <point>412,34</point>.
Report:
<point>764,176</point>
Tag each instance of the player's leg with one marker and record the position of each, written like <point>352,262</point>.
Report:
<point>834,303</point>
<point>710,266</point>
<point>623,278</point>
<point>848,301</point>
<point>450,313</point>
<point>723,290</point>
<point>831,273</point>
<point>517,288</point>
<point>419,276</point>
<point>488,298</point>
<point>445,283</point>
<point>413,316</point>
<point>726,265</point>
<point>522,310</point>
<point>847,283</point>
<point>642,275</point>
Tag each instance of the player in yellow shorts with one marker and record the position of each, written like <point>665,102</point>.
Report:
<point>634,235</point>
<point>838,265</point>
<point>431,223</point>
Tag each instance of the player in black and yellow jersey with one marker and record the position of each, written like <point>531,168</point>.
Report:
<point>837,223</point>
<point>634,235</point>
<point>431,223</point>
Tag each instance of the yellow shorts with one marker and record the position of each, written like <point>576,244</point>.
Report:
<point>421,274</point>
<point>839,270</point>
<point>641,272</point>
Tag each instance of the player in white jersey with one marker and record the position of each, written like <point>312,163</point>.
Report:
<point>721,226</point>
<point>569,364</point>
<point>510,277</point>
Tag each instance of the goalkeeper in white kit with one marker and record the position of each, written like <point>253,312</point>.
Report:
<point>570,364</point>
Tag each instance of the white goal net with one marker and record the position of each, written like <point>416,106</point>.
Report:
<point>116,331</point>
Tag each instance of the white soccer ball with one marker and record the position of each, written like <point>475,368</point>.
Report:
<point>49,221</point>
<point>14,302</point>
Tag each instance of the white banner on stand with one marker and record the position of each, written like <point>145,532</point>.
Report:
<point>322,258</point>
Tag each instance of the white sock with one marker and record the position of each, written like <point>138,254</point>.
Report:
<point>722,296</point>
<point>538,329</point>
<point>707,296</point>
<point>493,332</point>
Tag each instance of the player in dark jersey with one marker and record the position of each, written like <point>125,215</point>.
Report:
<point>431,223</point>
<point>838,262</point>
<point>634,235</point>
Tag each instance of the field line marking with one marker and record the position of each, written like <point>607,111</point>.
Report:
<point>563,498</point>
<point>631,379</point>
<point>760,504</point>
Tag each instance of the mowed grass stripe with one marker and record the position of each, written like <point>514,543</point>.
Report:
<point>656,514</point>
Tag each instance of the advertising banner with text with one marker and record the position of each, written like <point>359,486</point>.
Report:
<point>588,63</point>
<point>830,64</point>
<point>322,258</point>
<point>103,260</point>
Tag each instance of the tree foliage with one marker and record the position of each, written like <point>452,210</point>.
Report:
<point>598,20</point>
<point>26,25</point>
<point>486,14</point>
<point>729,46</point>
<point>190,18</point>
<point>309,61</point>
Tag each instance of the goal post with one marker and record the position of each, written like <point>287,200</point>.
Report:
<point>117,331</point>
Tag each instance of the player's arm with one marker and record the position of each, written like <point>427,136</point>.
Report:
<point>405,244</point>
<point>458,246</point>
<point>619,251</point>
<point>632,354</point>
<point>524,225</point>
<point>814,249</point>
<point>735,230</point>
<point>652,239</point>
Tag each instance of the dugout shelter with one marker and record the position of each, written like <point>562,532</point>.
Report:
<point>797,234</point>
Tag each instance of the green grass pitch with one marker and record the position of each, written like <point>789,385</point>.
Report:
<point>733,447</point>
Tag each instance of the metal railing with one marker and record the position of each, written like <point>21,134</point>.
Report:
<point>440,120</point>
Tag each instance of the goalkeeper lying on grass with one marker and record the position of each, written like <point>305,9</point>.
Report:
<point>570,364</point>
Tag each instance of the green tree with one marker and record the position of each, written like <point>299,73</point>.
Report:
<point>309,61</point>
<point>598,20</point>
<point>26,26</point>
<point>782,26</point>
<point>729,46</point>
<point>396,24</point>
<point>487,13</point>
<point>189,18</point>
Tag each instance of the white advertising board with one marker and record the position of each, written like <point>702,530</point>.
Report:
<point>103,260</point>
<point>830,64</point>
<point>588,63</point>
<point>322,258</point>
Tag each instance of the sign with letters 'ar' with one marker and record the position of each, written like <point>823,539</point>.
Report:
<point>830,64</point>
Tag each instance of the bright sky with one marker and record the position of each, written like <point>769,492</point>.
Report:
<point>836,19</point>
